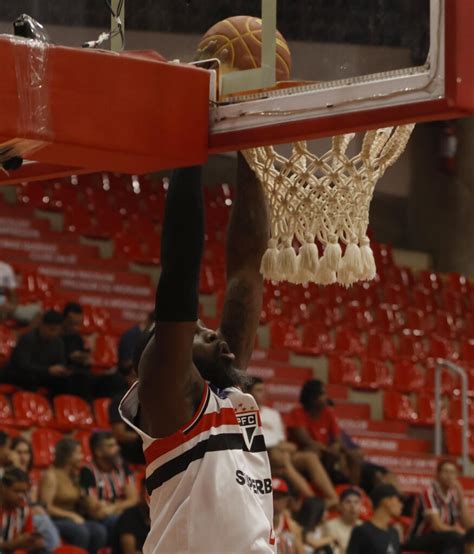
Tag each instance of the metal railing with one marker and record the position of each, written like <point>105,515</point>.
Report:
<point>446,364</point>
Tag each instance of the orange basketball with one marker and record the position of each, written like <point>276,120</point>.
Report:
<point>237,43</point>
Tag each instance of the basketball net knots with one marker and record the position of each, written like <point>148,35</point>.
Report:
<point>324,200</point>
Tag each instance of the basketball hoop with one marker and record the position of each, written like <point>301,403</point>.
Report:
<point>324,199</point>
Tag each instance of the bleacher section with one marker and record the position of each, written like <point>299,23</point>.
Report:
<point>377,342</point>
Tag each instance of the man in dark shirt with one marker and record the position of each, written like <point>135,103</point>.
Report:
<point>129,340</point>
<point>134,526</point>
<point>378,536</point>
<point>39,358</point>
<point>77,355</point>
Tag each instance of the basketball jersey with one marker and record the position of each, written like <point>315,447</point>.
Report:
<point>210,482</point>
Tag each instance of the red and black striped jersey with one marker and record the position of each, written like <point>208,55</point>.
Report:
<point>210,482</point>
<point>108,486</point>
<point>15,522</point>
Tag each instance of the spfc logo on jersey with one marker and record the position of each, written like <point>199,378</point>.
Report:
<point>248,422</point>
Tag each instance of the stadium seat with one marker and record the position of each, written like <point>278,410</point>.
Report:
<point>466,354</point>
<point>450,382</point>
<point>356,316</point>
<point>445,325</point>
<point>387,319</point>
<point>283,335</point>
<point>315,340</point>
<point>411,347</point>
<point>429,280</point>
<point>424,299</point>
<point>101,412</point>
<point>374,375</point>
<point>68,549</point>
<point>342,371</point>
<point>395,295</point>
<point>84,438</point>
<point>380,347</point>
<point>441,347</point>
<point>6,413</point>
<point>417,320</point>
<point>455,410</point>
<point>32,410</point>
<point>105,351</point>
<point>349,343</point>
<point>408,377</point>
<point>426,409</point>
<point>7,343</point>
<point>453,434</point>
<point>43,442</point>
<point>72,413</point>
<point>399,407</point>
<point>452,302</point>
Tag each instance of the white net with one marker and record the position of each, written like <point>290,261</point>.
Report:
<point>324,200</point>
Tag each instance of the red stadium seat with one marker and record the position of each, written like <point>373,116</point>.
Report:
<point>68,549</point>
<point>429,280</point>
<point>387,319</point>
<point>399,407</point>
<point>426,409</point>
<point>408,377</point>
<point>356,316</point>
<point>445,325</point>
<point>6,413</point>
<point>72,413</point>
<point>105,351</point>
<point>349,343</point>
<point>381,347</point>
<point>450,382</point>
<point>458,283</point>
<point>424,299</point>
<point>374,375</point>
<point>316,340</point>
<point>417,320</point>
<point>453,433</point>
<point>342,371</point>
<point>7,343</point>
<point>32,410</point>
<point>43,442</point>
<point>411,347</point>
<point>452,302</point>
<point>466,354</point>
<point>283,335</point>
<point>101,412</point>
<point>84,438</point>
<point>455,410</point>
<point>440,347</point>
<point>395,295</point>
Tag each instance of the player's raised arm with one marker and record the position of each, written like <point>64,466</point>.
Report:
<point>247,239</point>
<point>170,387</point>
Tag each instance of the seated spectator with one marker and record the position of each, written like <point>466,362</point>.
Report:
<point>340,528</point>
<point>61,495</point>
<point>78,357</point>
<point>288,534</point>
<point>41,519</point>
<point>378,536</point>
<point>108,483</point>
<point>131,445</point>
<point>133,526</point>
<point>17,530</point>
<point>8,300</point>
<point>7,456</point>
<point>314,428</point>
<point>286,461</point>
<point>39,360</point>
<point>129,340</point>
<point>442,517</point>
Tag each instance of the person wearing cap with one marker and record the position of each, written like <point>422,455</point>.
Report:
<point>441,516</point>
<point>379,536</point>
<point>340,528</point>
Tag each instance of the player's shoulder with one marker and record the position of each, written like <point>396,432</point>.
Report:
<point>241,401</point>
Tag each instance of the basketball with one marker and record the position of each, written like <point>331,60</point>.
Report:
<point>237,43</point>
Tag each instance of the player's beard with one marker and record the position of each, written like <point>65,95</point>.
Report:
<point>221,372</point>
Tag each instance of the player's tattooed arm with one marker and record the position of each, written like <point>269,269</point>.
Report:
<point>170,386</point>
<point>247,239</point>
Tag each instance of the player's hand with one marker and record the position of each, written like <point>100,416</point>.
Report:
<point>59,371</point>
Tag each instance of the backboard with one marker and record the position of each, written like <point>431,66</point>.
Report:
<point>355,65</point>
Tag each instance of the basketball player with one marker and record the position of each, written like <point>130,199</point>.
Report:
<point>208,473</point>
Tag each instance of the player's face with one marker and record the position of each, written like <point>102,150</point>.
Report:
<point>15,494</point>
<point>213,358</point>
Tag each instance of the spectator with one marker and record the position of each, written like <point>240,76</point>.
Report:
<point>129,340</point>
<point>285,459</point>
<point>107,482</point>
<point>61,494</point>
<point>287,532</point>
<point>130,443</point>
<point>41,519</point>
<point>8,300</point>
<point>314,428</point>
<point>469,542</point>
<point>77,355</point>
<point>7,456</point>
<point>378,536</point>
<point>441,515</point>
<point>134,526</point>
<point>17,530</point>
<point>340,528</point>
